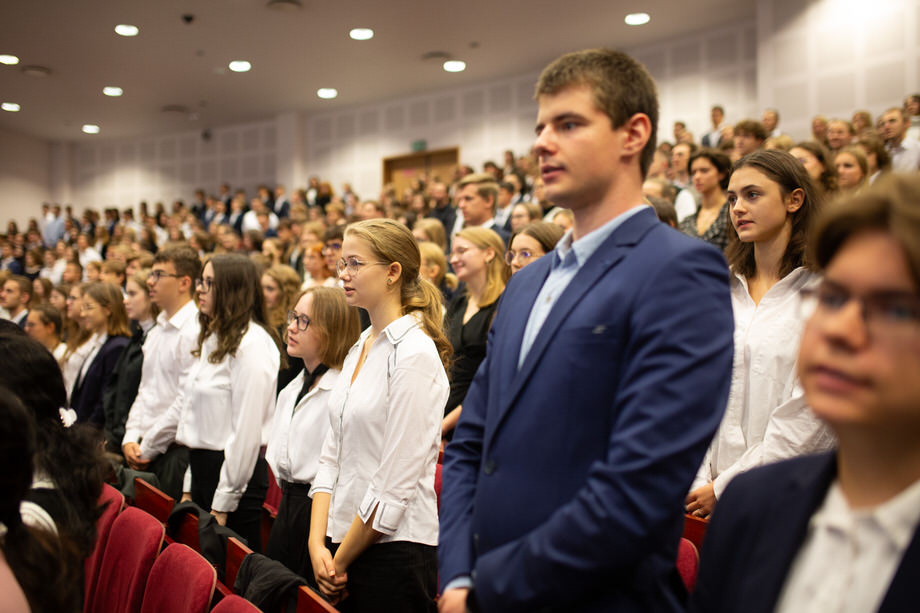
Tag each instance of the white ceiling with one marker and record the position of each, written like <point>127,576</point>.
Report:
<point>293,52</point>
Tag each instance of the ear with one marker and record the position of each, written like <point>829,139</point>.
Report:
<point>795,200</point>
<point>637,130</point>
<point>394,272</point>
<point>489,254</point>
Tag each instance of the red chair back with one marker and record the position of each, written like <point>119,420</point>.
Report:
<point>235,604</point>
<point>695,530</point>
<point>181,581</point>
<point>688,563</point>
<point>236,553</point>
<point>309,601</point>
<point>152,500</point>
<point>133,544</point>
<point>187,533</point>
<point>438,482</point>
<point>113,502</point>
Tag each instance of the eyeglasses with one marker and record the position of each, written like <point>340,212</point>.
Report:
<point>525,255</point>
<point>330,248</point>
<point>204,285</point>
<point>85,308</point>
<point>156,275</point>
<point>886,314</point>
<point>302,320</point>
<point>353,265</point>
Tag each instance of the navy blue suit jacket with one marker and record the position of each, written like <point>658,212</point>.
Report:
<point>757,529</point>
<point>565,481</point>
<point>86,397</point>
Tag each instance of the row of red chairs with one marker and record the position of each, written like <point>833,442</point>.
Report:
<point>130,571</point>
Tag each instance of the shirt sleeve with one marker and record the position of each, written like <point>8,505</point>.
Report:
<point>328,465</point>
<point>163,432</point>
<point>254,378</point>
<point>415,403</point>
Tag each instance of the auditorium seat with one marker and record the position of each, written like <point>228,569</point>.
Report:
<point>114,502</point>
<point>688,563</point>
<point>309,601</point>
<point>133,544</point>
<point>235,604</point>
<point>695,530</point>
<point>236,553</point>
<point>181,581</point>
<point>152,500</point>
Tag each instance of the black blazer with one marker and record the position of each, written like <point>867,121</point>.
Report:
<point>757,529</point>
<point>121,390</point>
<point>86,398</point>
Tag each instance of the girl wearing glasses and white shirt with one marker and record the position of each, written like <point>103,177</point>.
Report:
<point>321,328</point>
<point>373,496</point>
<point>772,203</point>
<point>227,401</point>
<point>531,242</point>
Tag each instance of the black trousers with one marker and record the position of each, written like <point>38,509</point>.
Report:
<point>170,470</point>
<point>247,519</point>
<point>397,577</point>
<point>287,542</point>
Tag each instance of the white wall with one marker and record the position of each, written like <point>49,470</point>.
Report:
<point>801,56</point>
<point>166,168</point>
<point>833,57</point>
<point>25,178</point>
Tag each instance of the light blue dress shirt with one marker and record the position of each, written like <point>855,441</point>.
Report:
<point>568,259</point>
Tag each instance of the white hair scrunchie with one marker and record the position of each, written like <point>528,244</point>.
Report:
<point>68,417</point>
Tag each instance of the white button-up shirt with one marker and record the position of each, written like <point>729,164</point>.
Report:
<point>298,430</point>
<point>224,407</point>
<point>167,360</point>
<point>849,557</point>
<point>766,418</point>
<point>70,367</point>
<point>386,430</point>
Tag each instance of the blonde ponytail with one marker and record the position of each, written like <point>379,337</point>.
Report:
<point>420,295</point>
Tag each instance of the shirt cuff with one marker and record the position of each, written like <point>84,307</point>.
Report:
<point>149,452</point>
<point>389,513</point>
<point>463,581</point>
<point>225,501</point>
<point>131,436</point>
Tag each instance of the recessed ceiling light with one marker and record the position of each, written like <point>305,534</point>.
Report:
<point>12,107</point>
<point>327,93</point>
<point>240,66</point>
<point>9,60</point>
<point>90,128</point>
<point>361,33</point>
<point>124,29</point>
<point>637,19</point>
<point>112,91</point>
<point>454,66</point>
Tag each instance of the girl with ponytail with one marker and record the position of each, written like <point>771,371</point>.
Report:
<point>374,525</point>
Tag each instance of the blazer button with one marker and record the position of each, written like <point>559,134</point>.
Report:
<point>489,467</point>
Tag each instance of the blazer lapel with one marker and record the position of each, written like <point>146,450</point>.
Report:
<point>788,521</point>
<point>902,593</point>
<point>608,254</point>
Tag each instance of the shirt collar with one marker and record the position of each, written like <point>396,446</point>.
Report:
<point>400,327</point>
<point>896,518</point>
<point>585,247</point>
<point>180,317</point>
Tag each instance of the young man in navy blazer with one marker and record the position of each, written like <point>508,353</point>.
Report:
<point>838,531</point>
<point>605,378</point>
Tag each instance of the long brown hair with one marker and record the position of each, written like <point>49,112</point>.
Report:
<point>789,174</point>
<point>393,242</point>
<point>109,297</point>
<point>237,300</point>
<point>288,285</point>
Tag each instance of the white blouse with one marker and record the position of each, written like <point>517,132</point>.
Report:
<point>298,430</point>
<point>224,407</point>
<point>386,430</point>
<point>766,418</point>
<point>70,366</point>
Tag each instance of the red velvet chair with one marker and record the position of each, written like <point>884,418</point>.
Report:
<point>181,581</point>
<point>695,530</point>
<point>114,502</point>
<point>235,604</point>
<point>688,563</point>
<point>152,500</point>
<point>133,544</point>
<point>236,553</point>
